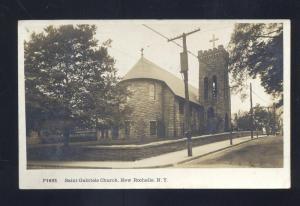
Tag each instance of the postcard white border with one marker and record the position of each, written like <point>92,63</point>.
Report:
<point>176,177</point>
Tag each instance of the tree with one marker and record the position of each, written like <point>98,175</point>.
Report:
<point>109,111</point>
<point>263,118</point>
<point>69,77</point>
<point>243,121</point>
<point>256,50</point>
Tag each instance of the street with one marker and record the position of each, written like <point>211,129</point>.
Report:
<point>263,153</point>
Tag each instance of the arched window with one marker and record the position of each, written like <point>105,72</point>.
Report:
<point>214,87</point>
<point>205,88</point>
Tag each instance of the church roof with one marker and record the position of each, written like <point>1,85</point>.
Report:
<point>146,69</point>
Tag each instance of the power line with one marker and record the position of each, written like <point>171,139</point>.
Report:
<point>155,31</point>
<point>259,97</point>
<point>165,37</point>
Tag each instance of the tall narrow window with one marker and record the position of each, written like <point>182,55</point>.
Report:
<point>153,127</point>
<point>214,87</point>
<point>205,88</point>
<point>152,91</point>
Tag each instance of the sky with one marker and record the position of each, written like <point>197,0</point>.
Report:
<point>129,37</point>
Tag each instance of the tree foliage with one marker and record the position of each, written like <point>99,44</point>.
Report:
<point>263,118</point>
<point>70,77</point>
<point>256,50</point>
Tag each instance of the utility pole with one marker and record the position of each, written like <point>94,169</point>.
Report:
<point>269,120</point>
<point>274,119</point>
<point>256,128</point>
<point>251,111</point>
<point>230,135</point>
<point>184,71</point>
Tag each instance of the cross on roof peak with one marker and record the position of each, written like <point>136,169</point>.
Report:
<point>142,52</point>
<point>213,40</point>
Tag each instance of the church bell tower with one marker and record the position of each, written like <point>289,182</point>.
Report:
<point>214,90</point>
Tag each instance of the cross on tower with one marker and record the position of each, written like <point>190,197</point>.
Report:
<point>213,40</point>
<point>142,52</point>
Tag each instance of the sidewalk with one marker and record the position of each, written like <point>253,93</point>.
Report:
<point>161,161</point>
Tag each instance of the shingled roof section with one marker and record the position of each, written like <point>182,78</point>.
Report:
<point>145,69</point>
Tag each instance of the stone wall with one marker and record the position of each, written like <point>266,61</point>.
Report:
<point>145,109</point>
<point>164,109</point>
<point>197,121</point>
<point>90,153</point>
<point>168,109</point>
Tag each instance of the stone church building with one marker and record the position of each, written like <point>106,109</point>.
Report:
<point>157,99</point>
